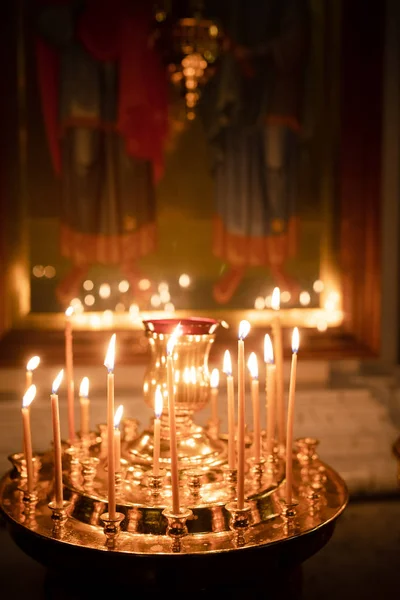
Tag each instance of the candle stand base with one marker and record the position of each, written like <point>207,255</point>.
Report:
<point>239,521</point>
<point>59,514</point>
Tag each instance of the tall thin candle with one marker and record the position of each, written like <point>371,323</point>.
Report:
<point>172,424</point>
<point>252,364</point>
<point>26,423</point>
<point>278,347</point>
<point>227,369</point>
<point>109,363</point>
<point>117,437</point>
<point>69,373</point>
<point>31,365</point>
<point>55,415</point>
<point>84,404</point>
<point>244,328</point>
<point>270,391</point>
<point>158,407</point>
<point>214,382</point>
<point>290,421</point>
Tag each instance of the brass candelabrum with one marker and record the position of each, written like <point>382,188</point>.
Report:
<point>209,530</point>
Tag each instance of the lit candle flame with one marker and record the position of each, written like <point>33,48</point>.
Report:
<point>244,328</point>
<point>29,396</point>
<point>33,363</point>
<point>158,403</point>
<point>84,388</point>
<point>118,415</point>
<point>252,364</point>
<point>295,340</point>
<point>69,312</point>
<point>227,365</point>
<point>276,299</point>
<point>110,356</point>
<point>57,382</point>
<point>268,350</point>
<point>214,379</point>
<point>172,340</point>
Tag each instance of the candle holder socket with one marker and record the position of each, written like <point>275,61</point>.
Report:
<point>111,528</point>
<point>230,478</point>
<point>177,526</point>
<point>272,466</point>
<point>239,521</point>
<point>19,464</point>
<point>59,514</point>
<point>89,469</point>
<point>194,483</point>
<point>29,500</point>
<point>256,470</point>
<point>307,450</point>
<point>289,515</point>
<point>155,483</point>
<point>314,495</point>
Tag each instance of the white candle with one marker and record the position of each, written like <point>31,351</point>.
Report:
<point>117,437</point>
<point>31,365</point>
<point>290,420</point>
<point>227,369</point>
<point>26,424</point>
<point>172,424</point>
<point>270,391</point>
<point>69,373</point>
<point>244,328</point>
<point>158,407</point>
<point>84,403</point>
<point>109,363</point>
<point>55,417</point>
<point>252,364</point>
<point>278,347</point>
<point>214,382</point>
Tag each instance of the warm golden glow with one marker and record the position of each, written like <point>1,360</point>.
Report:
<point>214,379</point>
<point>123,286</point>
<point>227,364</point>
<point>118,415</point>
<point>69,312</point>
<point>295,340</point>
<point>268,350</point>
<point>104,291</point>
<point>33,363</point>
<point>172,340</point>
<point>158,403</point>
<point>244,328</point>
<point>57,382</point>
<point>110,356</point>
<point>186,375</point>
<point>305,298</point>
<point>84,388</point>
<point>276,299</point>
<point>29,396</point>
<point>184,280</point>
<point>252,365</point>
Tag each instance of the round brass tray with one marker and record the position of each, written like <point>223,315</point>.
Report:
<point>148,558</point>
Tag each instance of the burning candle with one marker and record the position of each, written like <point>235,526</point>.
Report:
<point>290,420</point>
<point>270,392</point>
<point>172,425</point>
<point>227,369</point>
<point>55,415</point>
<point>214,382</point>
<point>31,365</point>
<point>109,364</point>
<point>158,407</point>
<point>26,423</point>
<point>84,403</point>
<point>69,372</point>
<point>278,345</point>
<point>117,437</point>
<point>244,328</point>
<point>252,364</point>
